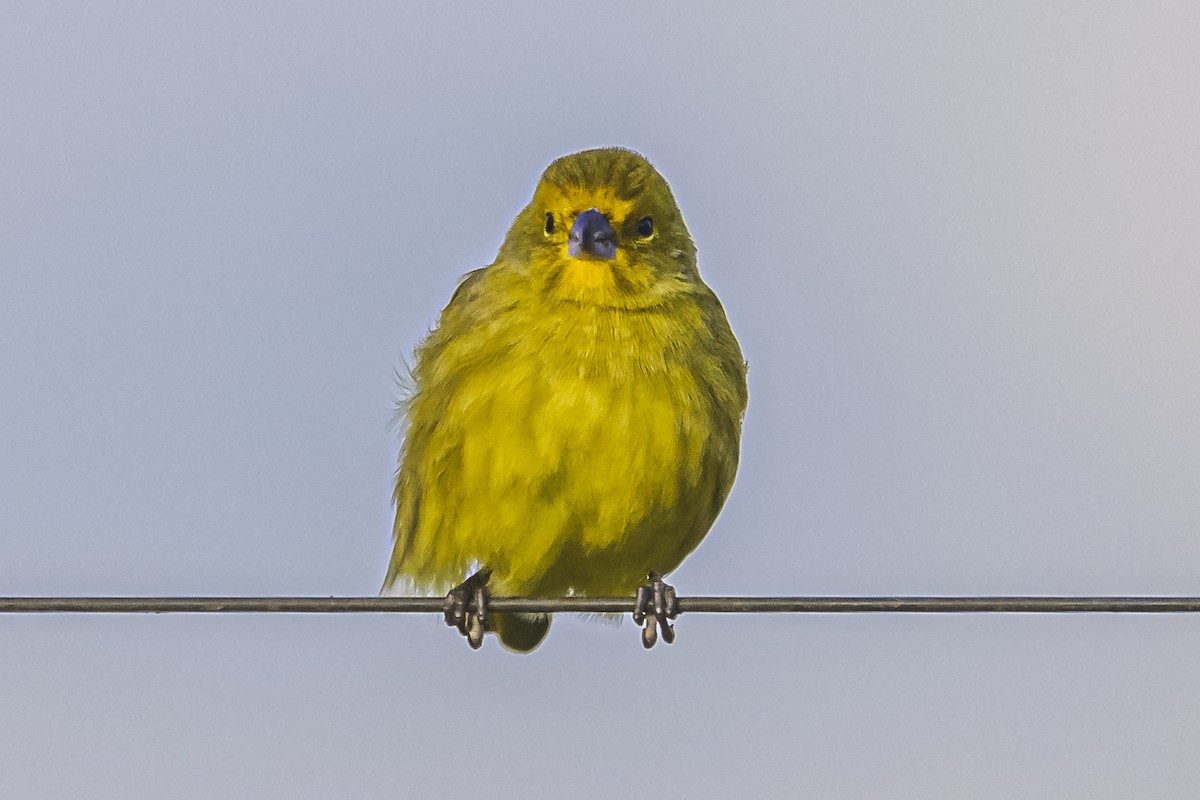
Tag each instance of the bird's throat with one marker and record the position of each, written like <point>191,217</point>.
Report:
<point>586,278</point>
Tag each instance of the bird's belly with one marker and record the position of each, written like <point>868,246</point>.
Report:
<point>582,482</point>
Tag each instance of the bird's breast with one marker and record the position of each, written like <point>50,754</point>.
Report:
<point>585,432</point>
<point>591,409</point>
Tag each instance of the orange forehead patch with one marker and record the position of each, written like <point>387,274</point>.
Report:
<point>573,200</point>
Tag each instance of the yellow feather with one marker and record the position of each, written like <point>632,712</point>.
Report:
<point>575,421</point>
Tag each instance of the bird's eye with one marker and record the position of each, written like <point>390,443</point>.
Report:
<point>549,223</point>
<point>645,227</point>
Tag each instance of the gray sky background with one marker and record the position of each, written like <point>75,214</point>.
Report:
<point>958,242</point>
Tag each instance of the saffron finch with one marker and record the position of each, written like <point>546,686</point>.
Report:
<point>574,419</point>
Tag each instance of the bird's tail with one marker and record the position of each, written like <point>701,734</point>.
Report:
<point>520,633</point>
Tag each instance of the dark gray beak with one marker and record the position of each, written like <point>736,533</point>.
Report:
<point>592,236</point>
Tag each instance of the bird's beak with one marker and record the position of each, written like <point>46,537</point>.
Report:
<point>592,236</point>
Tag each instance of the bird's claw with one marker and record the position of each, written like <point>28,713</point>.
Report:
<point>466,608</point>
<point>656,604</point>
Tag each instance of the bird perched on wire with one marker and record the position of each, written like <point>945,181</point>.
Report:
<point>574,419</point>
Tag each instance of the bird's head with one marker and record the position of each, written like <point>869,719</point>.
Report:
<point>603,229</point>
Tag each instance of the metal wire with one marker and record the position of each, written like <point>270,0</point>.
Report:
<point>604,605</point>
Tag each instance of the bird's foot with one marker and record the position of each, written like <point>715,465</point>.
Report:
<point>656,604</point>
<point>466,607</point>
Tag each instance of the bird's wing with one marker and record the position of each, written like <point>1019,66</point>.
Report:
<point>408,480</point>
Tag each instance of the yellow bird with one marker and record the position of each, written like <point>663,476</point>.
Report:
<point>574,419</point>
